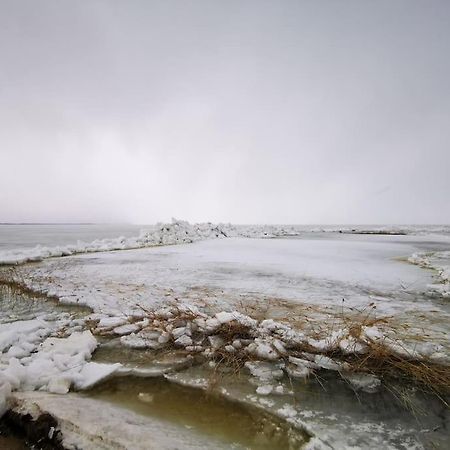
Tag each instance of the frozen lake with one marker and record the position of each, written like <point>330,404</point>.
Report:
<point>296,277</point>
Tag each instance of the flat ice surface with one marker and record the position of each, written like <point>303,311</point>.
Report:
<point>324,270</point>
<point>263,264</point>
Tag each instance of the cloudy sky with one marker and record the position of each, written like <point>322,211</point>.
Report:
<point>242,111</point>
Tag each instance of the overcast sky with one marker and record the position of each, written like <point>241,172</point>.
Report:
<point>242,111</point>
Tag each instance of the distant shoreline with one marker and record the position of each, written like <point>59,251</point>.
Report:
<point>51,223</point>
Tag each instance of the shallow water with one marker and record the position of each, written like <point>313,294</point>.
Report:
<point>242,426</point>
<point>15,304</point>
<point>12,443</point>
<point>397,414</point>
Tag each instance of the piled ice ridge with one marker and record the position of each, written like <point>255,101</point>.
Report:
<point>440,263</point>
<point>181,232</point>
<point>176,232</point>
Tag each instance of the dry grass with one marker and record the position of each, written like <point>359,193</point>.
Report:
<point>387,365</point>
<point>379,358</point>
<point>233,330</point>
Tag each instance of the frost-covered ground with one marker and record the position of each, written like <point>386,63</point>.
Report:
<point>289,287</point>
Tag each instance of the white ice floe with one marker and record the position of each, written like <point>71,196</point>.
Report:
<point>49,363</point>
<point>111,322</point>
<point>287,411</point>
<point>264,371</point>
<point>263,349</point>
<point>300,368</point>
<point>324,362</point>
<point>19,338</point>
<point>126,329</point>
<point>265,389</point>
<point>362,381</point>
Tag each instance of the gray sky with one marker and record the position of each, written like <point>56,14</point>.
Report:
<point>242,111</point>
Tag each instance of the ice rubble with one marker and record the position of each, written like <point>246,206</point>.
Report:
<point>272,348</point>
<point>440,263</point>
<point>176,232</point>
<point>32,359</point>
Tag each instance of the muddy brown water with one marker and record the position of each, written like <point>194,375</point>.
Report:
<point>239,425</point>
<point>12,443</point>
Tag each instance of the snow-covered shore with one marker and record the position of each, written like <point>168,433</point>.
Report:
<point>285,295</point>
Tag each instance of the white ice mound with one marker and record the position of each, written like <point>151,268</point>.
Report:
<point>363,381</point>
<point>58,364</point>
<point>177,232</point>
<point>17,338</point>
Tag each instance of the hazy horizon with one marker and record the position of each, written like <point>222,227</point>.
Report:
<point>234,223</point>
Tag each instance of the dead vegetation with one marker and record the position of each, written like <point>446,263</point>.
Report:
<point>228,346</point>
<point>387,365</point>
